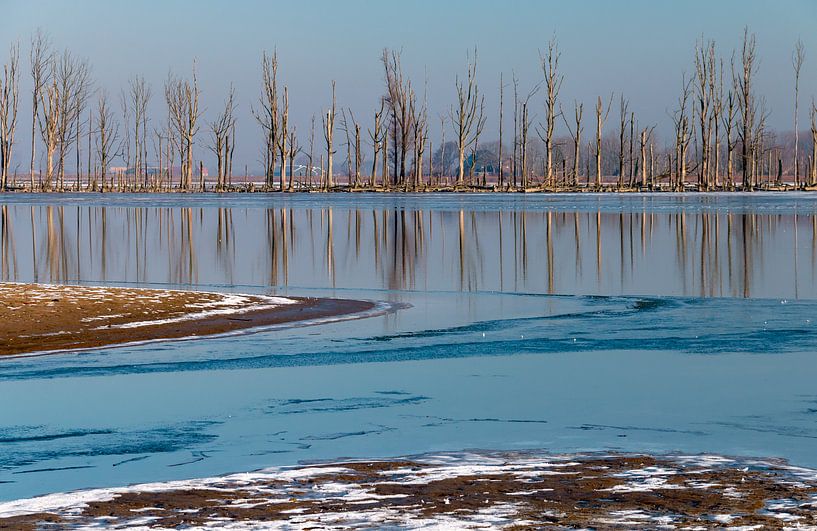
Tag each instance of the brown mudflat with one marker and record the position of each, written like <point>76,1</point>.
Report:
<point>38,318</point>
<point>500,491</point>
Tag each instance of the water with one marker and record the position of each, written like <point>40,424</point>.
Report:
<point>566,323</point>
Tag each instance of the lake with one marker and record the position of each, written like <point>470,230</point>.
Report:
<point>636,323</point>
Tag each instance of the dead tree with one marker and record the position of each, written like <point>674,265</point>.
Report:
<point>40,59</point>
<point>230,149</point>
<point>420,138</point>
<point>468,117</point>
<point>182,99</point>
<point>576,135</point>
<point>9,90</point>
<point>282,134</point>
<point>399,97</point>
<point>747,104</point>
<point>716,89</point>
<point>267,114</point>
<point>645,135</point>
<point>328,133</point>
<point>499,156</point>
<point>376,136</point>
<point>524,127</point>
<point>220,130</point>
<point>107,137</point>
<point>553,82</point>
<point>344,124</point>
<point>72,76</point>
<point>622,141</point>
<point>683,133</point>
<point>139,94</point>
<point>294,149</point>
<point>48,121</point>
<point>310,161</point>
<point>813,180</point>
<point>798,56</point>
<point>601,117</point>
<point>731,138</point>
<point>704,94</point>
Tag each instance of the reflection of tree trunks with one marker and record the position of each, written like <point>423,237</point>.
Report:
<point>461,233</point>
<point>8,250</point>
<point>794,247</point>
<point>578,239</point>
<point>598,247</point>
<point>747,251</point>
<point>411,249</point>
<point>550,264</point>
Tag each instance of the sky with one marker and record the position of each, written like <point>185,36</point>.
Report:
<point>638,48</point>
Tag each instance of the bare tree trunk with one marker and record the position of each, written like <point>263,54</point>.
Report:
<point>813,144</point>
<point>328,133</point>
<point>553,82</point>
<point>40,57</point>
<point>468,117</point>
<point>377,140</point>
<point>748,105</point>
<point>798,57</point>
<point>623,109</point>
<point>501,101</point>
<point>9,90</point>
<point>601,117</point>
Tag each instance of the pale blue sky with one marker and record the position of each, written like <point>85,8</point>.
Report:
<point>639,47</point>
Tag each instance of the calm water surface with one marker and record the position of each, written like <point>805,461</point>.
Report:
<point>574,322</point>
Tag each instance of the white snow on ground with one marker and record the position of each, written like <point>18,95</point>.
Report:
<point>281,485</point>
<point>227,305</point>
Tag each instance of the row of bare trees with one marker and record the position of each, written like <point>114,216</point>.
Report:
<point>720,133</point>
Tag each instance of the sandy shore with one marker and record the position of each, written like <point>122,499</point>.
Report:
<point>495,490</point>
<point>40,318</point>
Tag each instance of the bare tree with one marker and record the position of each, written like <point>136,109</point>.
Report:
<point>9,90</point>
<point>267,114</point>
<point>813,144</point>
<point>399,98</point>
<point>468,117</point>
<point>499,155</point>
<point>328,134</point>
<point>107,136</point>
<point>747,104</point>
<point>576,134</point>
<point>622,141</point>
<point>645,135</point>
<point>283,134</point>
<point>601,117</point>
<point>294,149</point>
<point>376,136</point>
<point>553,83</point>
<point>220,130</point>
<point>731,138</point>
<point>40,59</point>
<point>182,97</point>
<point>420,133</point>
<point>72,82</point>
<point>716,89</point>
<point>138,98</point>
<point>524,126</point>
<point>344,124</point>
<point>705,65</point>
<point>683,133</point>
<point>798,56</point>
<point>310,161</point>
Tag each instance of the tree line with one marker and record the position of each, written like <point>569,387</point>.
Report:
<point>720,139</point>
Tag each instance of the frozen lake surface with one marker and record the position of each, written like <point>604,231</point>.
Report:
<point>568,323</point>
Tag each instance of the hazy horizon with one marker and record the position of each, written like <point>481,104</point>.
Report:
<point>638,49</point>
